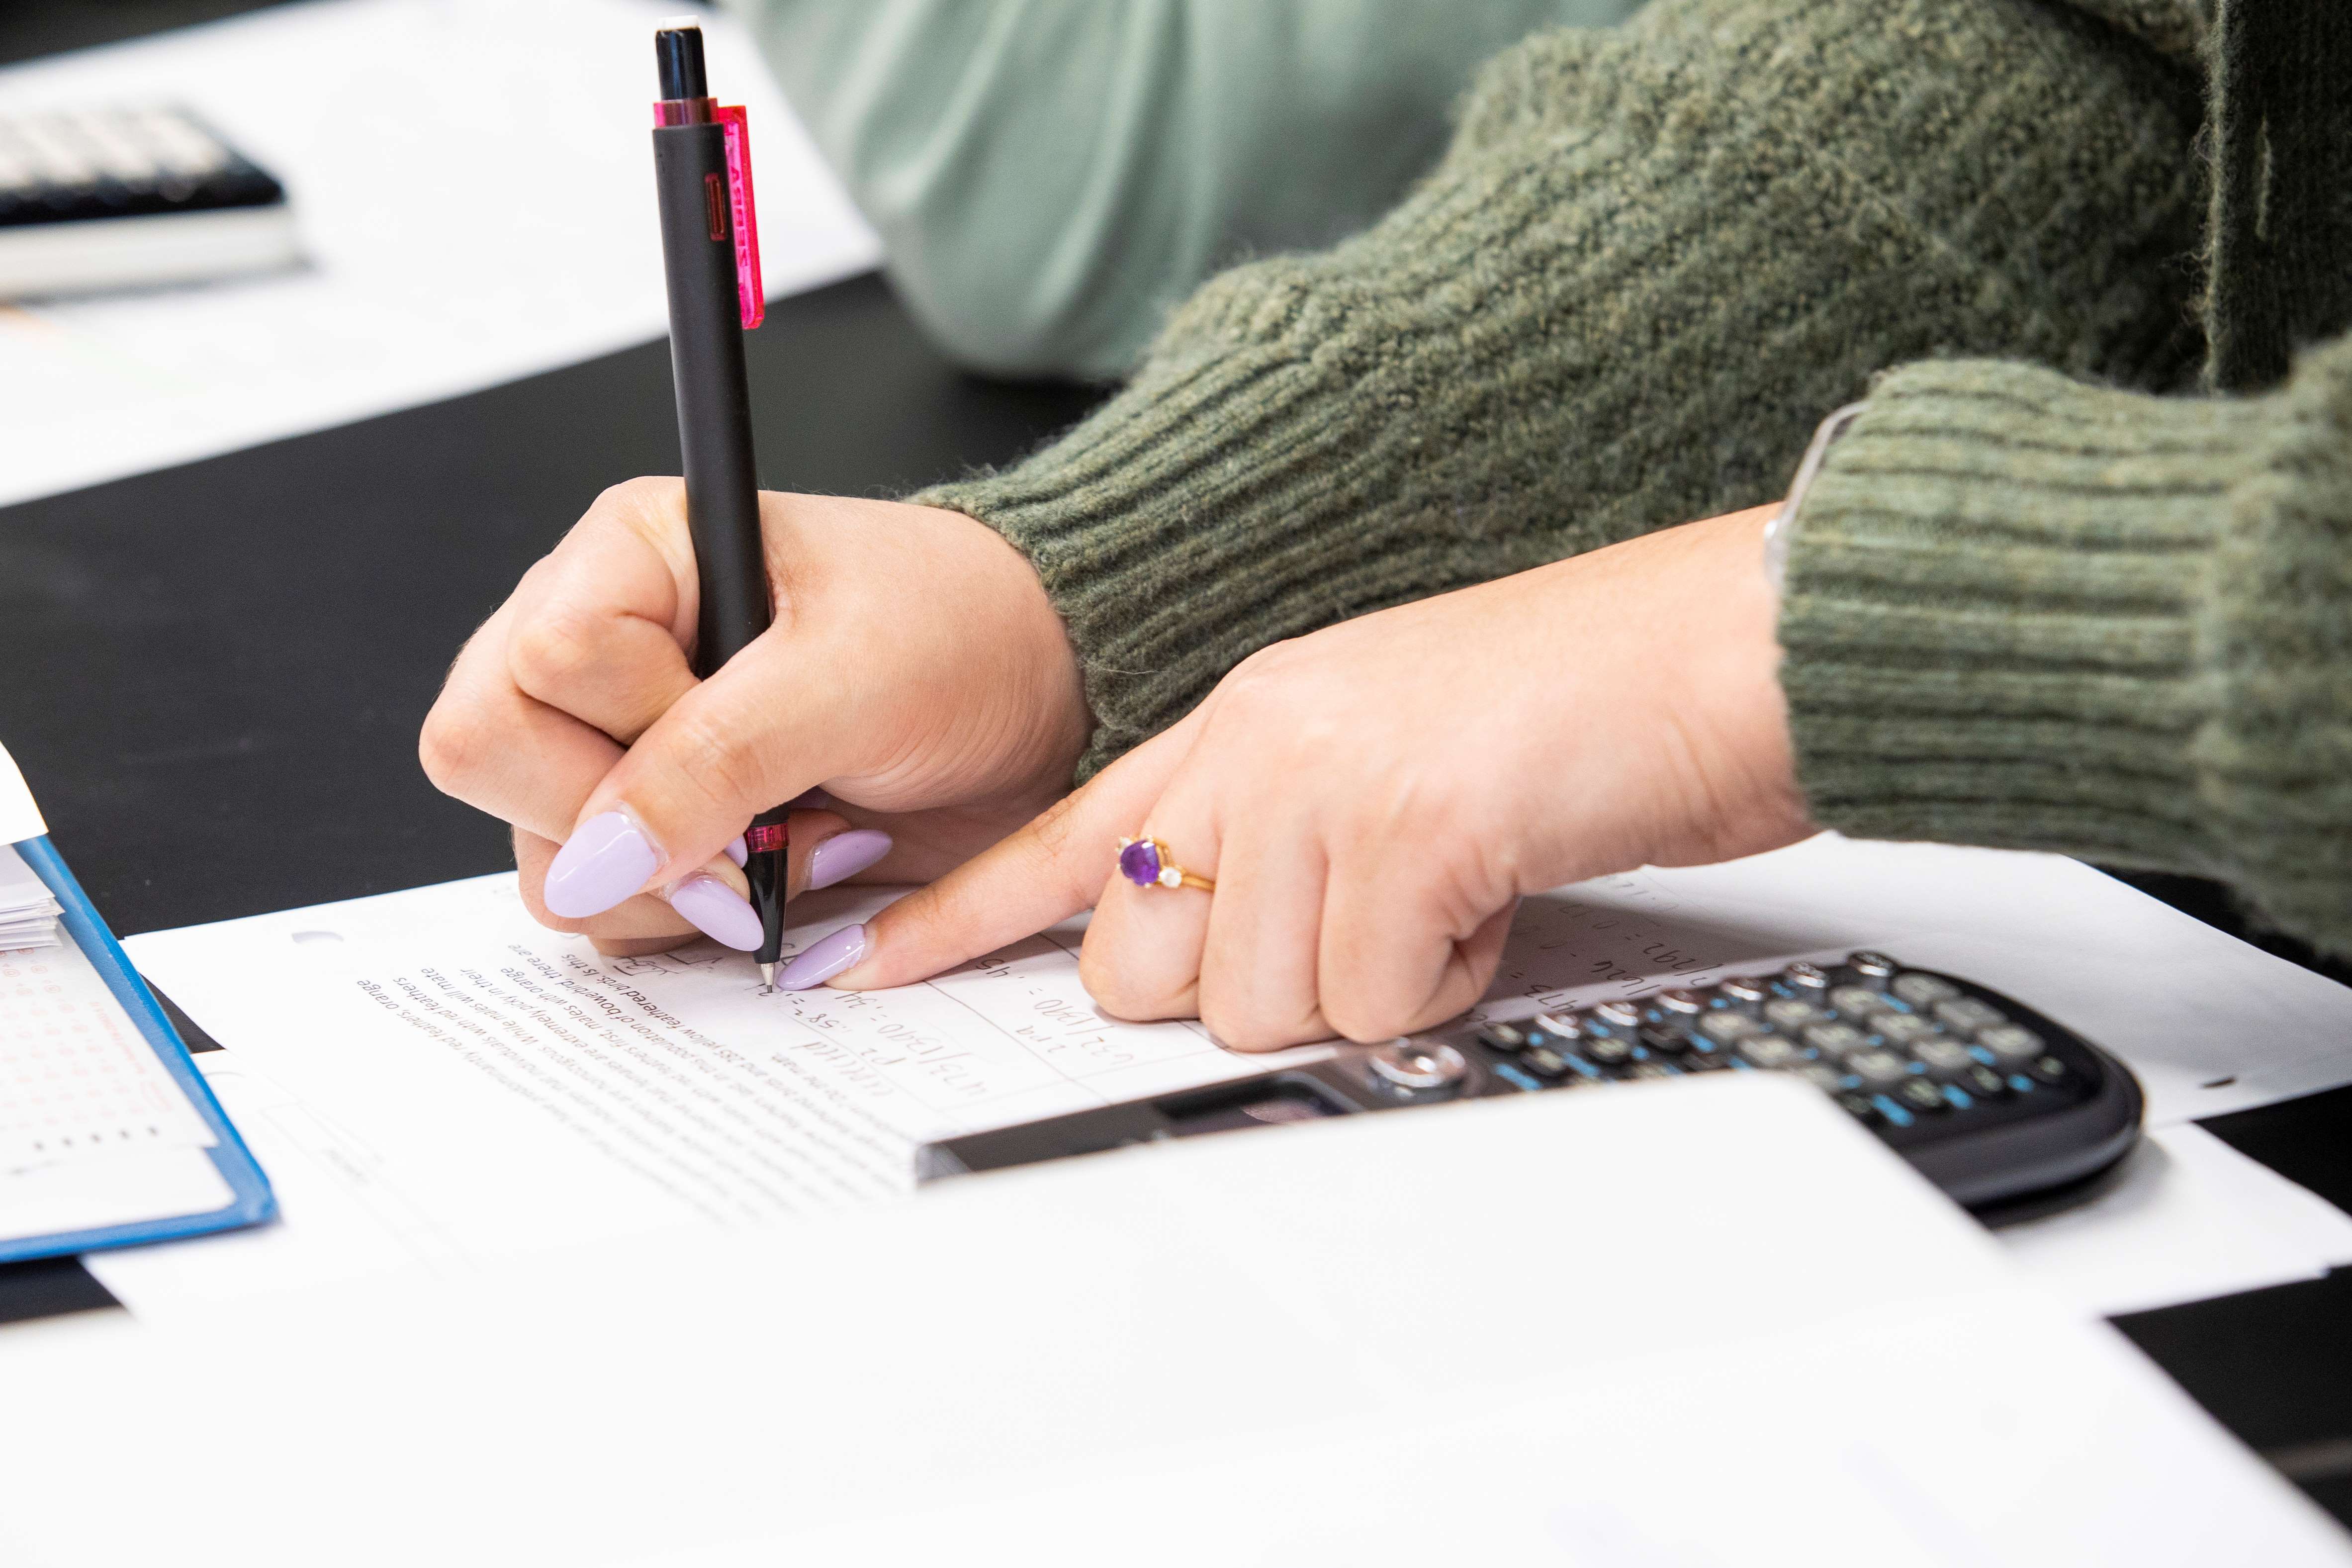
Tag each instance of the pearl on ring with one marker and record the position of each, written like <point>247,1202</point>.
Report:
<point>1145,863</point>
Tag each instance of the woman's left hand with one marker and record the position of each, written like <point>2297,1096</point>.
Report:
<point>1373,801</point>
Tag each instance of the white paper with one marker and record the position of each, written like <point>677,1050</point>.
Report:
<point>78,1081</point>
<point>19,818</point>
<point>1597,1328</point>
<point>28,910</point>
<point>473,181</point>
<point>93,1131</point>
<point>2186,1218</point>
<point>420,1135</point>
<point>439,1082</point>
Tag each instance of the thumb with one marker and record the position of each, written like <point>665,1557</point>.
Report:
<point>1042,874</point>
<point>734,745</point>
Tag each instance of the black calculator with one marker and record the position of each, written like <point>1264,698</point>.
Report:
<point>1988,1099</point>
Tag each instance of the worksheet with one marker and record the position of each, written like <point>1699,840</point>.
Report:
<point>443,1082</point>
<point>437,1081</point>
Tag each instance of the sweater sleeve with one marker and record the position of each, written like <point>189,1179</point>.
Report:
<point>2027,612</point>
<point>1650,259</point>
<point>1050,177</point>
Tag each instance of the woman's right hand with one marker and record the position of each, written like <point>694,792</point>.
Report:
<point>916,671</point>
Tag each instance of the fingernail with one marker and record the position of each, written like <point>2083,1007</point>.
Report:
<point>717,911</point>
<point>737,850</point>
<point>824,960</point>
<point>845,855</point>
<point>606,859</point>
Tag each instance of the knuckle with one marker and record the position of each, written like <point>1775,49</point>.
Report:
<point>714,759</point>
<point>646,492</point>
<point>1364,1018</point>
<point>452,745</point>
<point>550,651</point>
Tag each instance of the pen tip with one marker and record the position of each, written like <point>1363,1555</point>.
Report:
<point>768,975</point>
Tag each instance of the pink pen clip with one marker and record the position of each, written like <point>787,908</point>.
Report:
<point>751,292</point>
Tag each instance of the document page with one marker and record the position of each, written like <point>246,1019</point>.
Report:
<point>441,1081</point>
<point>472,1085</point>
<point>93,1131</point>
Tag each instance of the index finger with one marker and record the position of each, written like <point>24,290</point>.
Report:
<point>1041,875</point>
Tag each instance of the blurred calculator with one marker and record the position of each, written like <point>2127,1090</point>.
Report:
<point>1985,1097</point>
<point>93,199</point>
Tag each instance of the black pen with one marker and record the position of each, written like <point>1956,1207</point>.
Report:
<point>710,249</point>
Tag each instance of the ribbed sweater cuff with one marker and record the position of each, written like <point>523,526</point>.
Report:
<point>1991,619</point>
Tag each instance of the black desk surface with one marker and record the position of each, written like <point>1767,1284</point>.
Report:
<point>214,676</point>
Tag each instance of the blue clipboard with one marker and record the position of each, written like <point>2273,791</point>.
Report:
<point>252,1201</point>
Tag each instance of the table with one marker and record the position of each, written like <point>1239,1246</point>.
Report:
<point>214,674</point>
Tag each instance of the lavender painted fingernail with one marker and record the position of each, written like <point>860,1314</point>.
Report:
<point>825,958</point>
<point>606,859</point>
<point>717,911</point>
<point>843,856</point>
<point>737,850</point>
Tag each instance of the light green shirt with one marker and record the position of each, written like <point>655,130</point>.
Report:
<point>1051,177</point>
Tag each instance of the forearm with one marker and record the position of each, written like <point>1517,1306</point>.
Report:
<point>1050,177</point>
<point>2027,612</point>
<point>1649,259</point>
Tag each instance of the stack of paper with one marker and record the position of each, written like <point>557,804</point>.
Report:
<point>1702,1323</point>
<point>28,915</point>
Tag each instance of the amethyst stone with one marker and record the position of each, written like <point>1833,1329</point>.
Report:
<point>1139,863</point>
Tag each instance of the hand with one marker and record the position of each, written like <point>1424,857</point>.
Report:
<point>916,670</point>
<point>1371,801</point>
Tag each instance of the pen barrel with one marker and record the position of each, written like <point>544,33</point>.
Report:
<point>714,403</point>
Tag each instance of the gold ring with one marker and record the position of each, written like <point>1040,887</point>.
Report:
<point>1145,863</point>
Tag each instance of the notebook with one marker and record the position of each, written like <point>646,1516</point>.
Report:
<point>113,198</point>
<point>107,1133</point>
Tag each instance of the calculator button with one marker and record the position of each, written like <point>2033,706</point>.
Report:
<point>1873,966</point>
<point>1920,1095</point>
<point>1564,1024</point>
<point>1663,1039</point>
<point>1625,1014</point>
<point>1640,1070</point>
<point>1982,1081</point>
<point>1412,1064</point>
<point>1904,1028</point>
<point>1944,1056</point>
<point>1682,1002</point>
<point>1743,988</point>
<point>1788,1012</point>
<point>1769,1050</point>
<point>1924,990</point>
<point>1857,1001</point>
<point>1700,1062</point>
<point>1966,1015</point>
<point>1859,1106</point>
<point>1501,1038</point>
<point>1728,1028</point>
<point>2011,1044</point>
<point>1821,1074</point>
<point>1544,1062</point>
<point>2049,1070</point>
<point>1879,1068</point>
<point>1805,977</point>
<point>1607,1050</point>
<point>1836,1039</point>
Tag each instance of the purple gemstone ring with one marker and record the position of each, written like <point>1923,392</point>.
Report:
<point>1145,863</point>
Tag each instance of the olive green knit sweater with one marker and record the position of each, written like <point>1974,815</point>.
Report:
<point>2020,611</point>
